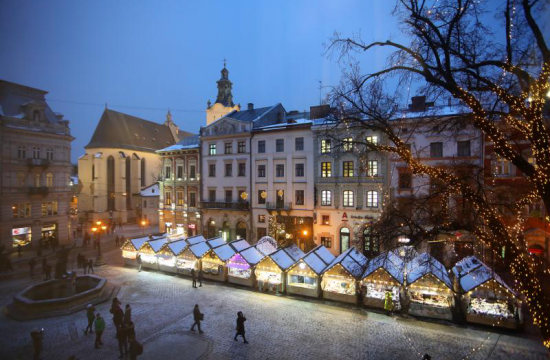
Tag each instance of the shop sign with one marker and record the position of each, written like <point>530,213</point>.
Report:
<point>20,231</point>
<point>359,217</point>
<point>49,227</point>
<point>192,226</point>
<point>168,223</point>
<point>344,217</point>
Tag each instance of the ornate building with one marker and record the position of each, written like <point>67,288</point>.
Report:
<point>120,160</point>
<point>224,102</point>
<point>35,168</point>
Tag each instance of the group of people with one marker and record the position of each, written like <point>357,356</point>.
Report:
<point>239,329</point>
<point>86,264</point>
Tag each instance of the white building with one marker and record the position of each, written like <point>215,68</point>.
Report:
<point>150,204</point>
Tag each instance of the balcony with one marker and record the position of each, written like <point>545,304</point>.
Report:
<point>225,205</point>
<point>279,205</point>
<point>44,163</point>
<point>39,191</point>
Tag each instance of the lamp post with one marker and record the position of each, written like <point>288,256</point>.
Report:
<point>143,223</point>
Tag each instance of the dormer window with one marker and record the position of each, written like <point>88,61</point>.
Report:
<point>36,115</point>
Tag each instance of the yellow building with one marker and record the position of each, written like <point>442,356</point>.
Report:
<point>224,102</point>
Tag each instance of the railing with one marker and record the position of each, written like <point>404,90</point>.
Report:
<point>38,162</point>
<point>278,206</point>
<point>42,190</point>
<point>225,205</point>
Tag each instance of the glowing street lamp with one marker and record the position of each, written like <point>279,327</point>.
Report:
<point>143,223</point>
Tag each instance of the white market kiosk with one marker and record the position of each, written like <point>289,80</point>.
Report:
<point>486,298</point>
<point>271,271</point>
<point>149,252</point>
<point>304,277</point>
<point>131,247</point>
<point>186,260</point>
<point>213,263</point>
<point>241,266</point>
<point>167,256</point>
<point>429,288</point>
<point>383,273</point>
<point>339,280</point>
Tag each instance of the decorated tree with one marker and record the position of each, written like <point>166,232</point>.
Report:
<point>457,50</point>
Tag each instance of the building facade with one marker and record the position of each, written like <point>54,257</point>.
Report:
<point>149,208</point>
<point>35,145</point>
<point>179,203</point>
<point>120,160</point>
<point>224,101</point>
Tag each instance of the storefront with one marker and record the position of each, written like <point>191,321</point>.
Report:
<point>131,247</point>
<point>149,253</point>
<point>241,267</point>
<point>271,271</point>
<point>486,298</point>
<point>167,256</point>
<point>304,277</point>
<point>429,288</point>
<point>213,263</point>
<point>383,274</point>
<point>186,261</point>
<point>49,234</point>
<point>340,278</point>
<point>21,236</point>
<point>192,229</point>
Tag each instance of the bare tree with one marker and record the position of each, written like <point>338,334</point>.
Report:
<point>503,80</point>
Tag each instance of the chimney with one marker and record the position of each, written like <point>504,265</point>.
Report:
<point>250,106</point>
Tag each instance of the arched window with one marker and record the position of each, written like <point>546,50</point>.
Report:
<point>344,239</point>
<point>241,230</point>
<point>49,179</point>
<point>211,229</point>
<point>111,183</point>
<point>128,183</point>
<point>143,172</point>
<point>36,180</point>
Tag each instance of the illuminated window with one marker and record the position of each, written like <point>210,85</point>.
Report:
<point>49,179</point>
<point>326,169</point>
<point>348,198</point>
<point>502,167</point>
<point>325,220</point>
<point>212,149</point>
<point>348,144</point>
<point>348,168</point>
<point>179,197</point>
<point>326,198</point>
<point>325,146</point>
<point>372,168</point>
<point>326,241</point>
<point>372,198</point>
<point>372,139</point>
<point>168,197</point>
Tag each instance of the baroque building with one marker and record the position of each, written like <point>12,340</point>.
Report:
<point>120,160</point>
<point>224,101</point>
<point>35,168</point>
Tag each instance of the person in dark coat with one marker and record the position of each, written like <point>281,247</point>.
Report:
<point>197,316</point>
<point>122,338</point>
<point>37,338</point>
<point>90,314</point>
<point>200,279</point>
<point>135,348</point>
<point>86,238</point>
<point>99,328</point>
<point>194,277</point>
<point>117,241</point>
<point>91,266</point>
<point>240,326</point>
<point>32,264</point>
<point>138,260</point>
<point>118,314</point>
<point>127,314</point>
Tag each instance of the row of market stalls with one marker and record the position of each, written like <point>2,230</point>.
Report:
<point>414,283</point>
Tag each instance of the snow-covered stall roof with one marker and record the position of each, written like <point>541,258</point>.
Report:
<point>315,263</point>
<point>224,252</point>
<point>407,253</point>
<point>137,243</point>
<point>215,242</point>
<point>352,261</point>
<point>177,246</point>
<point>282,259</point>
<point>425,264</point>
<point>239,245</point>
<point>267,245</point>
<point>388,261</point>
<point>156,245</point>
<point>294,252</point>
<point>473,273</point>
<point>252,256</point>
<point>324,254</point>
<point>199,249</point>
<point>195,239</point>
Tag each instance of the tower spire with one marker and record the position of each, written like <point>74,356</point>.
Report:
<point>225,97</point>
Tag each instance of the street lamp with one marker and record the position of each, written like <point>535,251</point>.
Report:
<point>143,223</point>
<point>99,260</point>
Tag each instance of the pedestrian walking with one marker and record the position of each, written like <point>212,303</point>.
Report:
<point>127,314</point>
<point>48,272</point>
<point>122,338</point>
<point>135,348</point>
<point>99,328</point>
<point>118,314</point>
<point>32,264</point>
<point>200,279</point>
<point>91,266</point>
<point>86,238</point>
<point>138,260</point>
<point>194,277</point>
<point>90,314</point>
<point>197,317</point>
<point>240,326</point>
<point>37,337</point>
<point>19,249</point>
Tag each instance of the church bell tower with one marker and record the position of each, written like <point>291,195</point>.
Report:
<point>224,101</point>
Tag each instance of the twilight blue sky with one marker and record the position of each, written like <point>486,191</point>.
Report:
<point>168,54</point>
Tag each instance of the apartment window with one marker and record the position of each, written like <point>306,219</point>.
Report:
<point>261,219</point>
<point>326,169</point>
<point>228,196</point>
<point>372,168</point>
<point>168,197</point>
<point>229,169</point>
<point>405,180</point>
<point>49,154</point>
<point>212,170</point>
<point>326,198</point>
<point>37,180</point>
<point>325,146</point>
<point>49,208</point>
<point>179,170</point>
<point>261,146</point>
<point>22,210</point>
<point>463,148</point>
<point>241,148</point>
<point>372,139</point>
<point>192,199</point>
<point>261,171</point>
<point>192,172</point>
<point>348,168</point>
<point>299,197</point>
<point>36,153</point>
<point>280,145</point>
<point>325,220</point>
<point>436,149</point>
<point>212,149</point>
<point>502,166</point>
<point>372,198</point>
<point>179,197</point>
<point>49,179</point>
<point>261,199</point>
<point>242,169</point>
<point>228,148</point>
<point>20,179</point>
<point>168,172</point>
<point>326,241</point>
<point>280,170</point>
<point>211,195</point>
<point>21,152</point>
<point>299,170</point>
<point>348,198</point>
<point>299,144</point>
<point>348,144</point>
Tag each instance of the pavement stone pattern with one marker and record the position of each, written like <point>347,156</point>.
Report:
<point>277,327</point>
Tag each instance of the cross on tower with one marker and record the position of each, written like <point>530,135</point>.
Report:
<point>224,62</point>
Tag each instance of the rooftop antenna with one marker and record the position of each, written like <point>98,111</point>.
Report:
<point>320,92</point>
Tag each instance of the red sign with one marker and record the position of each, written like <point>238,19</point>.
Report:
<point>191,226</point>
<point>344,217</point>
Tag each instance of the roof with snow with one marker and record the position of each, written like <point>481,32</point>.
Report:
<point>472,273</point>
<point>156,245</point>
<point>435,111</point>
<point>294,252</point>
<point>388,261</point>
<point>151,190</point>
<point>282,259</point>
<point>239,245</point>
<point>224,252</point>
<point>266,245</point>
<point>315,259</point>
<point>188,142</point>
<point>195,239</point>
<point>177,246</point>
<point>215,242</point>
<point>199,249</point>
<point>139,242</point>
<point>425,264</point>
<point>352,261</point>
<point>407,253</point>
<point>252,256</point>
<point>285,125</point>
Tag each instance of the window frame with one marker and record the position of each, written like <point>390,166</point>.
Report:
<point>299,144</point>
<point>326,169</point>
<point>326,197</point>
<point>348,198</point>
<point>347,171</point>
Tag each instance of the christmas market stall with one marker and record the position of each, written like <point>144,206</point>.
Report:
<point>383,274</point>
<point>167,256</point>
<point>406,253</point>
<point>304,277</point>
<point>131,247</point>
<point>186,259</point>
<point>339,280</point>
<point>295,252</point>
<point>266,245</point>
<point>195,239</point>
<point>241,266</point>
<point>270,272</point>
<point>239,245</point>
<point>213,263</point>
<point>149,252</point>
<point>429,288</point>
<point>486,298</point>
